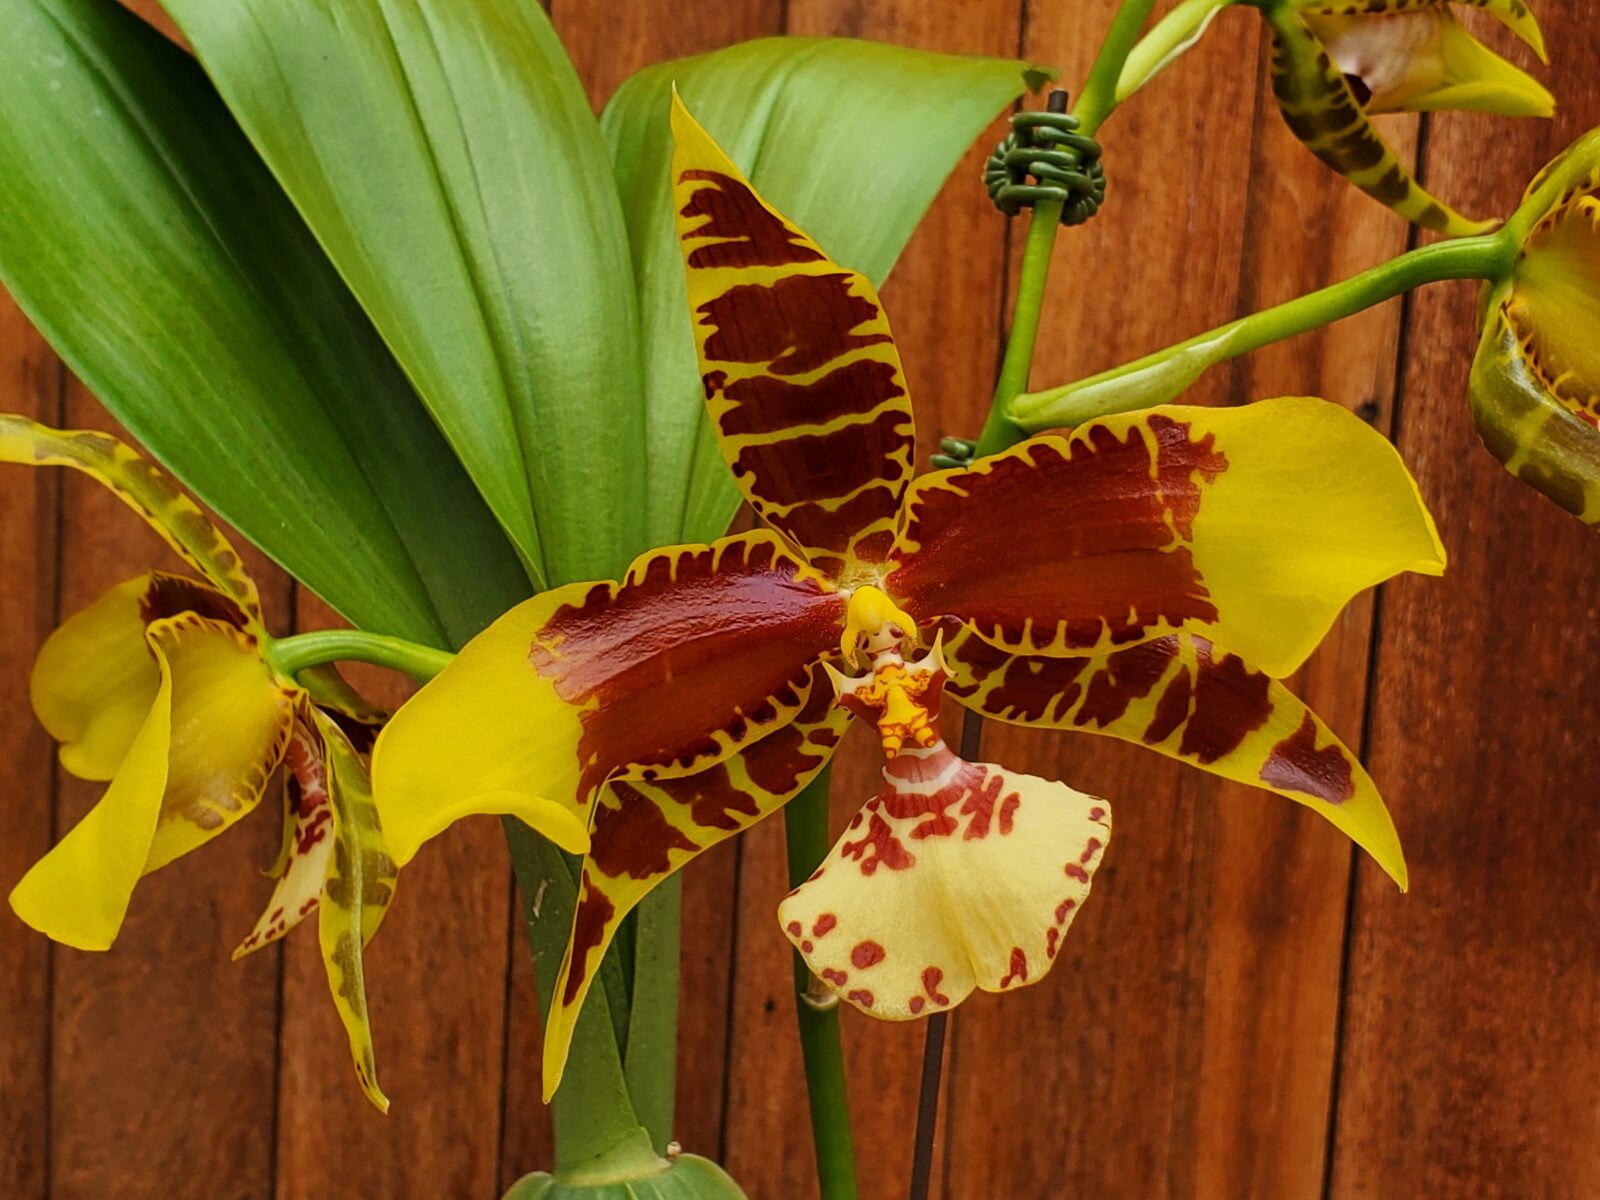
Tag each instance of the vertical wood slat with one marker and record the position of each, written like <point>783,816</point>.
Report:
<point>1473,1011</point>
<point>30,383</point>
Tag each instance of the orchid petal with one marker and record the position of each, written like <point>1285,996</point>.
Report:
<point>802,380</point>
<point>210,741</point>
<point>956,876</point>
<point>1251,525</point>
<point>1184,697</point>
<point>699,651</point>
<point>1322,111</point>
<point>644,832</point>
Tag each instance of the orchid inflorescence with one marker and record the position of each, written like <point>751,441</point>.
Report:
<point>1148,571</point>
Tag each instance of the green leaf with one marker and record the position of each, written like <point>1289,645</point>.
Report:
<point>850,139</point>
<point>446,157</point>
<point>155,252</point>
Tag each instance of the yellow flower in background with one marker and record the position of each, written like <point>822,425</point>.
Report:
<point>1535,383</point>
<point>1336,63</point>
<point>164,689</point>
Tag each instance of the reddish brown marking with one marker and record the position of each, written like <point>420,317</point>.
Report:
<point>982,796</point>
<point>595,911</point>
<point>1296,765</point>
<point>823,530</point>
<point>866,954</point>
<point>1036,688</point>
<point>824,925</point>
<point>1128,675</point>
<point>1064,909</point>
<point>1019,968</point>
<point>1097,813</point>
<point>308,833</point>
<point>806,947</point>
<point>861,996</point>
<point>634,839</point>
<point>1230,701</point>
<point>885,849</point>
<point>1051,937</point>
<point>817,466</point>
<point>1074,871</point>
<point>1091,534</point>
<point>308,904</point>
<point>674,660</point>
<point>931,978</point>
<point>1172,710</point>
<point>917,1004</point>
<point>713,800</point>
<point>795,928</point>
<point>836,977</point>
<point>749,234</point>
<point>168,595</point>
<point>1090,849</point>
<point>766,404</point>
<point>800,323</point>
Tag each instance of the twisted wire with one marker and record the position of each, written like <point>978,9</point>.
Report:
<point>1044,157</point>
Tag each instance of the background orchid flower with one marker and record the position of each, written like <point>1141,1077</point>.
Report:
<point>1089,581</point>
<point>165,689</point>
<point>1335,64</point>
<point>1535,382</point>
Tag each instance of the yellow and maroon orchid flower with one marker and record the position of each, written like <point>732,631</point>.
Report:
<point>1337,62</point>
<point>1146,577</point>
<point>1535,382</point>
<point>165,690</point>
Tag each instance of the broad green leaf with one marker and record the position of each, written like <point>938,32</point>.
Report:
<point>446,157</point>
<point>851,140</point>
<point>143,236</point>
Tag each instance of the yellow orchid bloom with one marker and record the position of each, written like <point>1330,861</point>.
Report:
<point>1337,62</point>
<point>1146,577</point>
<point>1535,382</point>
<point>164,689</point>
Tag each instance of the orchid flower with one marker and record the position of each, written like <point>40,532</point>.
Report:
<point>1536,378</point>
<point>1147,577</point>
<point>164,688</point>
<point>1336,63</point>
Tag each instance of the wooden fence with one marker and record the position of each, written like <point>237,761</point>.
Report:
<point>1246,1009</point>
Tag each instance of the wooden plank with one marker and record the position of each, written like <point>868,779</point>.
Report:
<point>30,383</point>
<point>1273,888</point>
<point>163,1053</point>
<point>1473,1014</point>
<point>436,982</point>
<point>943,298</point>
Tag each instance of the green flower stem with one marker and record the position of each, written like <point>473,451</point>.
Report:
<point>1160,377</point>
<point>805,827</point>
<point>291,655</point>
<point>1095,104</point>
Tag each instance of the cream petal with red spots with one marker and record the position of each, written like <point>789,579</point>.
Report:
<point>956,876</point>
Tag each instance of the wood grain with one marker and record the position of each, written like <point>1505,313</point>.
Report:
<point>30,383</point>
<point>1473,1026</point>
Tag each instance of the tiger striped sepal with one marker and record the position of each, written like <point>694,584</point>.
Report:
<point>1186,698</point>
<point>337,866</point>
<point>144,487</point>
<point>1335,63</point>
<point>1535,383</point>
<point>1253,526</point>
<point>644,831</point>
<point>802,380</point>
<point>696,653</point>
